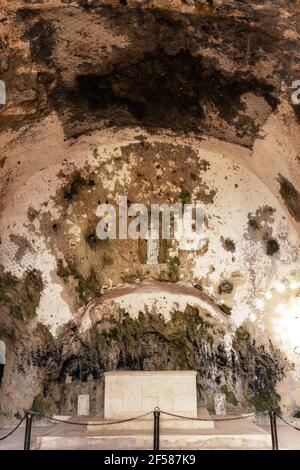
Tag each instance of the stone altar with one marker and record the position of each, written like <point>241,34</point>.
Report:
<point>132,393</point>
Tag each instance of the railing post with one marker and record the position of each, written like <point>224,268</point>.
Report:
<point>273,430</point>
<point>29,418</point>
<point>156,414</point>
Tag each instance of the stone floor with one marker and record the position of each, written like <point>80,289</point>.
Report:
<point>288,438</point>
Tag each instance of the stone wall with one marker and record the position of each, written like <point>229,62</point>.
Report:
<point>148,100</point>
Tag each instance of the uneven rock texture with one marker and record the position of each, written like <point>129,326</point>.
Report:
<point>163,102</point>
<point>213,67</point>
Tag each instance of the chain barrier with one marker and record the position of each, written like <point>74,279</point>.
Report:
<point>285,420</point>
<point>233,418</point>
<point>57,420</point>
<point>13,430</point>
<point>76,423</point>
<point>157,411</point>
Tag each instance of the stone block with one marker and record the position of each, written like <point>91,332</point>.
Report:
<point>220,404</point>
<point>129,394</point>
<point>83,405</point>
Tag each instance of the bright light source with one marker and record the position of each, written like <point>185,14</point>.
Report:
<point>260,304</point>
<point>280,287</point>
<point>287,325</point>
<point>281,309</point>
<point>268,295</point>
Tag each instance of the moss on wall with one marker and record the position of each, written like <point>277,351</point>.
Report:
<point>86,287</point>
<point>191,339</point>
<point>230,396</point>
<point>265,399</point>
<point>21,297</point>
<point>172,272</point>
<point>149,342</point>
<point>261,367</point>
<point>43,406</point>
<point>131,278</point>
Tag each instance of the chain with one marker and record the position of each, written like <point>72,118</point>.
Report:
<point>287,422</point>
<point>122,420</point>
<point>11,432</point>
<point>56,420</point>
<point>211,419</point>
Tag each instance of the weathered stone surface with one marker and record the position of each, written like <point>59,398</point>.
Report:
<point>83,408</point>
<point>132,393</point>
<point>219,404</point>
<point>162,101</point>
<point>208,84</point>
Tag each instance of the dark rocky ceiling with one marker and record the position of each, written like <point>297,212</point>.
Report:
<point>187,66</point>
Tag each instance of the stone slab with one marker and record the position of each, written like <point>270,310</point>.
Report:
<point>129,394</point>
<point>83,407</point>
<point>233,435</point>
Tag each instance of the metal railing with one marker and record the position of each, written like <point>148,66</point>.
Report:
<point>29,416</point>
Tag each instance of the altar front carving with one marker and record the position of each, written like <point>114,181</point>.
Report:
<point>130,393</point>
